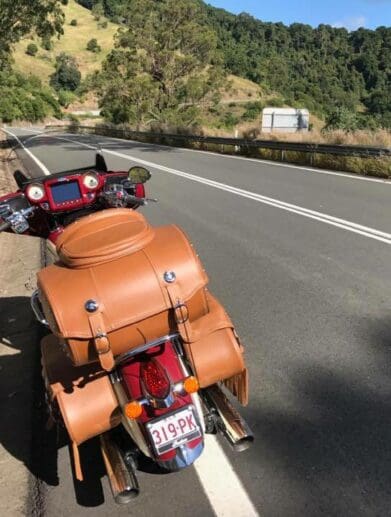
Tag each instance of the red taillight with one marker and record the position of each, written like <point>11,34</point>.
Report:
<point>155,379</point>
<point>139,190</point>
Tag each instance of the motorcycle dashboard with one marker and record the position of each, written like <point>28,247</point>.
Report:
<point>66,191</point>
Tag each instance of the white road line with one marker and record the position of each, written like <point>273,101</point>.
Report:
<point>221,485</point>
<point>344,224</point>
<point>218,479</point>
<point>351,176</point>
<point>255,160</point>
<point>44,169</point>
<point>305,212</point>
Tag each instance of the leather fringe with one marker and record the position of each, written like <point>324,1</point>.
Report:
<point>238,385</point>
<point>76,462</point>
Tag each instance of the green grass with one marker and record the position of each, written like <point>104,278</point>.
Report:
<point>74,42</point>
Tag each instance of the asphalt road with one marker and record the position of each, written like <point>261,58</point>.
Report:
<point>310,295</point>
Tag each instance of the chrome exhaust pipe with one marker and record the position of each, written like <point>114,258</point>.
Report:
<point>230,423</point>
<point>122,478</point>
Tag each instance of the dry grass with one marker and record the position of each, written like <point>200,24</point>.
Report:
<point>73,42</point>
<point>379,138</point>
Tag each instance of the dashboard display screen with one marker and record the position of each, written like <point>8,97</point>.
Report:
<point>63,192</point>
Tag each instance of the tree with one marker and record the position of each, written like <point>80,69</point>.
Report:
<point>160,68</point>
<point>98,11</point>
<point>73,22</point>
<point>25,98</point>
<point>31,49</point>
<point>342,118</point>
<point>93,46</point>
<point>67,75</point>
<point>20,17</point>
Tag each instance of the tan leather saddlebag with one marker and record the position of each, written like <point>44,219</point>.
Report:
<point>84,395</point>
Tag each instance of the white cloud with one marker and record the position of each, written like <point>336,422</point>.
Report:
<point>351,23</point>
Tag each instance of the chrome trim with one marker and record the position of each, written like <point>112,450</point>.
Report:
<point>91,306</point>
<point>143,348</point>
<point>122,478</point>
<point>169,277</point>
<point>184,457</point>
<point>132,426</point>
<point>230,423</point>
<point>37,309</point>
<point>5,210</point>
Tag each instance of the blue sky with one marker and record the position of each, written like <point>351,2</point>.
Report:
<point>340,13</point>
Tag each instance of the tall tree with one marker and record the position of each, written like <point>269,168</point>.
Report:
<point>160,68</point>
<point>20,17</point>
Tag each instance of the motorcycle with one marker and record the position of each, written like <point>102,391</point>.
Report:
<point>138,352</point>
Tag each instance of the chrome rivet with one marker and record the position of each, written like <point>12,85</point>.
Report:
<point>91,306</point>
<point>169,277</point>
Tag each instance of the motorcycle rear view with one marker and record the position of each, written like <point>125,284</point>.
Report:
<point>140,352</point>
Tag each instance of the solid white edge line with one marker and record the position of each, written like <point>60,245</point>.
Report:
<point>305,212</point>
<point>256,160</point>
<point>351,176</point>
<point>44,169</point>
<point>220,483</point>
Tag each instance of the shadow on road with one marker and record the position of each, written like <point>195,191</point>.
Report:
<point>20,393</point>
<point>24,432</point>
<point>332,453</point>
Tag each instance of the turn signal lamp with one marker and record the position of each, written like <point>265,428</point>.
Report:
<point>191,385</point>
<point>133,409</point>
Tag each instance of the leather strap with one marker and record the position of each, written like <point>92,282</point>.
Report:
<point>77,462</point>
<point>102,343</point>
<point>181,313</point>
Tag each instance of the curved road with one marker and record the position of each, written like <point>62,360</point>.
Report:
<point>301,260</point>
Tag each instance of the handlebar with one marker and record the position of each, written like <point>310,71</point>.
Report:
<point>140,200</point>
<point>5,226</point>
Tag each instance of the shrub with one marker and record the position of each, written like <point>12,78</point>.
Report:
<point>73,22</point>
<point>230,120</point>
<point>277,102</point>
<point>65,98</point>
<point>31,49</point>
<point>253,110</point>
<point>342,118</point>
<point>103,25</point>
<point>47,44</point>
<point>93,46</point>
<point>24,98</point>
<point>67,75</point>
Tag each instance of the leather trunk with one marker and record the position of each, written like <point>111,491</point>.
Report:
<point>140,279</point>
<point>120,284</point>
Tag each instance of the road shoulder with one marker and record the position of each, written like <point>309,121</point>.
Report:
<point>19,259</point>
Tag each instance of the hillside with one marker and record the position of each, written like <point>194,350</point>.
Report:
<point>319,68</point>
<point>74,42</point>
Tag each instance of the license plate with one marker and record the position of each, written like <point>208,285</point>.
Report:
<point>169,432</point>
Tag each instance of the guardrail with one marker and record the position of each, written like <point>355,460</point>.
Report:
<point>239,143</point>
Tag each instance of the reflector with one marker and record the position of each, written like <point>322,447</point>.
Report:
<point>133,409</point>
<point>191,385</point>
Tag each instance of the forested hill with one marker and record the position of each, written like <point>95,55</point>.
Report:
<point>319,68</point>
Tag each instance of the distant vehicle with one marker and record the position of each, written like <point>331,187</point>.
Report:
<point>285,120</point>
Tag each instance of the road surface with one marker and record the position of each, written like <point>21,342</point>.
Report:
<point>301,260</point>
